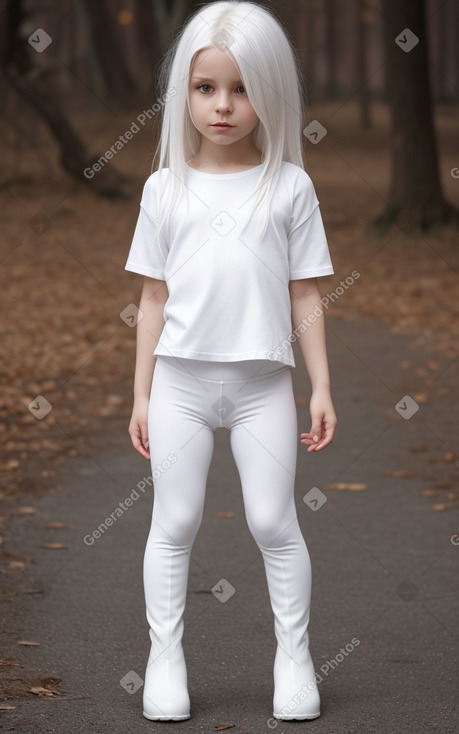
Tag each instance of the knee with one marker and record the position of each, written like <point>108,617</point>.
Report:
<point>179,528</point>
<point>273,530</point>
<point>265,529</point>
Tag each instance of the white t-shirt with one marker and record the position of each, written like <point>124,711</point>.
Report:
<point>228,294</point>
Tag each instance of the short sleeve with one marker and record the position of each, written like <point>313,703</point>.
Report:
<point>148,251</point>
<point>308,252</point>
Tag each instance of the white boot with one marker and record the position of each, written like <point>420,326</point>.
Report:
<point>165,692</point>
<point>288,573</point>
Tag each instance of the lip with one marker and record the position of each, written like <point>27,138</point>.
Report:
<point>222,125</point>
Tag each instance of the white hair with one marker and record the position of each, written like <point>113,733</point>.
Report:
<point>271,76</point>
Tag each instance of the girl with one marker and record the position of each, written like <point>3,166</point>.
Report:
<point>230,242</point>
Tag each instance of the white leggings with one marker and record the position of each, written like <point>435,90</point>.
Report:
<point>254,400</point>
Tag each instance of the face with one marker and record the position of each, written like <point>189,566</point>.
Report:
<point>216,94</point>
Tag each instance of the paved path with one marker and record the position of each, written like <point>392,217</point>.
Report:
<point>384,572</point>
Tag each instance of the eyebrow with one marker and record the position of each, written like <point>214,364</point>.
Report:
<point>208,79</point>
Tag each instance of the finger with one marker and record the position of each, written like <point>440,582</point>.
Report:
<point>140,444</point>
<point>308,438</point>
<point>325,441</point>
<point>316,430</point>
<point>144,443</point>
<point>142,450</point>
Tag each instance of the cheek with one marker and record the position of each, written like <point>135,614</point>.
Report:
<point>196,107</point>
<point>195,100</point>
<point>249,112</point>
<point>195,112</point>
<point>252,116</point>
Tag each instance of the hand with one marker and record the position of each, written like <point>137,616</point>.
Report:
<point>138,427</point>
<point>323,421</point>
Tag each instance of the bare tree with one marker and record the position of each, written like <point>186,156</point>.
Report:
<point>30,83</point>
<point>127,46</point>
<point>364,17</point>
<point>416,198</point>
<point>331,45</point>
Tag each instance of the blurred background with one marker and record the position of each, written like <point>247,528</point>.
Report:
<point>78,131</point>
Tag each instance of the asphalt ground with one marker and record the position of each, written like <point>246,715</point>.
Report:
<point>384,564</point>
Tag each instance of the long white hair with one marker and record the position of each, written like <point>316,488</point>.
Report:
<point>272,78</point>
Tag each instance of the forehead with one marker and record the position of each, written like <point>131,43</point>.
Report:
<point>211,62</point>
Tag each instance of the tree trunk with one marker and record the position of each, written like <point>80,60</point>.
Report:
<point>310,53</point>
<point>74,156</point>
<point>30,83</point>
<point>125,57</point>
<point>440,20</point>
<point>331,87</point>
<point>363,19</point>
<point>416,197</point>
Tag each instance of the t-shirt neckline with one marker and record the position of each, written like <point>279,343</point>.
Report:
<point>236,174</point>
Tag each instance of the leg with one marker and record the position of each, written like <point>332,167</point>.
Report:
<point>265,451</point>
<point>176,433</point>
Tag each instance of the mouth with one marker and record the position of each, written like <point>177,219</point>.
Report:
<point>222,124</point>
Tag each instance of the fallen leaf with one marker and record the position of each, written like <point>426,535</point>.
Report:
<point>228,514</point>
<point>26,510</point>
<point>40,691</point>
<point>446,484</point>
<point>445,505</point>
<point>421,398</point>
<point>449,457</point>
<point>54,546</point>
<point>56,525</point>
<point>429,492</point>
<point>7,594</point>
<point>418,448</point>
<point>34,591</point>
<point>12,464</point>
<point>352,486</point>
<point>27,643</point>
<point>114,399</point>
<point>16,565</point>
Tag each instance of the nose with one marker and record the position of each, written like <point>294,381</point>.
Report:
<point>223,102</point>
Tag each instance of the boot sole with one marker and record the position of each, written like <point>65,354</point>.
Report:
<point>298,718</point>
<point>167,718</point>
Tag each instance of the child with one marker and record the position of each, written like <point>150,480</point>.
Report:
<point>230,240</point>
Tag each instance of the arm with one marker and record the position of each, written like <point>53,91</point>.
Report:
<point>305,296</point>
<point>154,296</point>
